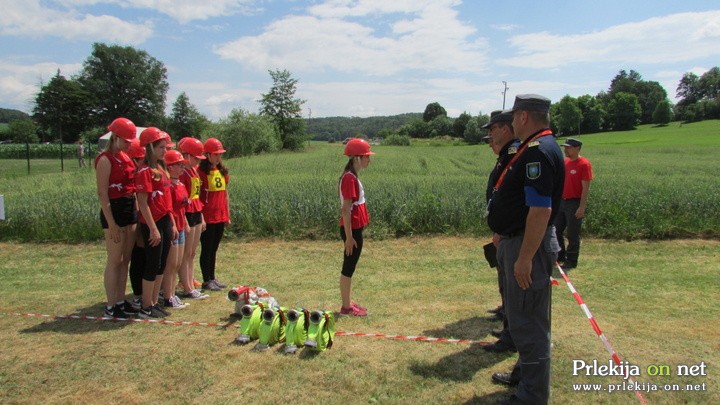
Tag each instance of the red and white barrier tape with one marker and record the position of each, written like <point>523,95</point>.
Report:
<point>227,325</point>
<point>595,326</point>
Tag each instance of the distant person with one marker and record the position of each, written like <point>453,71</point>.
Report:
<point>354,218</point>
<point>214,177</point>
<point>153,189</point>
<point>578,174</point>
<point>115,178</point>
<point>503,142</point>
<point>81,153</point>
<point>522,211</point>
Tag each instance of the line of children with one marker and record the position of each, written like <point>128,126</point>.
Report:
<point>182,200</point>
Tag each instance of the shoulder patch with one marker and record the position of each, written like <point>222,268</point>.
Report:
<point>532,170</point>
<point>533,143</point>
<point>512,150</point>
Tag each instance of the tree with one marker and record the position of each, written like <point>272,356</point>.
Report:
<point>662,113</point>
<point>474,133</point>
<point>284,109</point>
<point>415,129</point>
<point>709,84</point>
<point>649,94</point>
<point>125,82</point>
<point>569,116</point>
<point>432,111</point>
<point>459,124</point>
<point>624,111</point>
<point>440,126</point>
<point>593,115</point>
<point>62,108</point>
<point>23,131</point>
<point>186,120</point>
<point>243,133</point>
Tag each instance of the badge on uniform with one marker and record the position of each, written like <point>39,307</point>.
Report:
<point>532,170</point>
<point>512,150</point>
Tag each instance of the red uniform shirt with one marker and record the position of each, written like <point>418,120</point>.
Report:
<point>352,189</point>
<point>179,204</point>
<point>575,172</point>
<point>191,180</point>
<point>156,184</point>
<point>213,194</point>
<point>122,174</point>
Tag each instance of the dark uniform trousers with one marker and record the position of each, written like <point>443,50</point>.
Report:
<point>528,313</point>
<point>565,219</point>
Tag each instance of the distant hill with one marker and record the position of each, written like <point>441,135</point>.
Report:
<point>339,128</point>
<point>7,115</point>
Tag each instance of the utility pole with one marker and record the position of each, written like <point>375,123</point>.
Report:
<point>505,89</point>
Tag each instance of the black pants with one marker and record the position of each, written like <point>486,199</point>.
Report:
<point>565,220</point>
<point>350,262</point>
<point>137,268</point>
<point>156,256</point>
<point>209,242</point>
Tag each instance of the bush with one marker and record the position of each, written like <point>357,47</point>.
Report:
<point>244,134</point>
<point>396,140</point>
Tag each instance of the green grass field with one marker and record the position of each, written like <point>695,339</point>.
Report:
<point>652,183</point>
<point>656,302</point>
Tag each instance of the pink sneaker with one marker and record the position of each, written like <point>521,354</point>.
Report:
<point>356,305</point>
<point>354,311</point>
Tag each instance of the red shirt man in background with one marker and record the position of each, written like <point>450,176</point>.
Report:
<point>578,174</point>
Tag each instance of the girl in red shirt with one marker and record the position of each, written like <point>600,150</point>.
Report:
<point>192,151</point>
<point>175,165</point>
<point>152,185</point>
<point>114,175</point>
<point>354,218</point>
<point>216,210</point>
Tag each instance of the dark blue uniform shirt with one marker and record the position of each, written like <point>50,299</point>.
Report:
<point>542,167</point>
<point>504,157</point>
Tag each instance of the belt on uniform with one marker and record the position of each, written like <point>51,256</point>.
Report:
<point>571,199</point>
<point>517,233</point>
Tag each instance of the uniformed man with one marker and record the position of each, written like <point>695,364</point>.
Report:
<point>502,137</point>
<point>522,209</point>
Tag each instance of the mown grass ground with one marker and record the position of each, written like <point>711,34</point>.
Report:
<point>656,302</point>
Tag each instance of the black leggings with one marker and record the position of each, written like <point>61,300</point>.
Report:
<point>137,268</point>
<point>156,256</point>
<point>350,262</point>
<point>209,242</point>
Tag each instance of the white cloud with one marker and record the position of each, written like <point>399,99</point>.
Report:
<point>188,10</point>
<point>672,38</point>
<point>19,84</point>
<point>32,19</point>
<point>432,39</point>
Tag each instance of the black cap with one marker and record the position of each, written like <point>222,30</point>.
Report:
<point>572,142</point>
<point>499,116</point>
<point>531,102</point>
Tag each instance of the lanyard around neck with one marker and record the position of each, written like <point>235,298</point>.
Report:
<point>517,156</point>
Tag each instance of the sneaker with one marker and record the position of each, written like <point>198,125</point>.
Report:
<point>137,303</point>
<point>196,295</point>
<point>109,312</point>
<point>174,302</point>
<point>355,304</point>
<point>145,313</point>
<point>197,284</point>
<point>155,312</point>
<point>219,284</point>
<point>160,309</point>
<point>128,308</point>
<point>354,311</point>
<point>210,285</point>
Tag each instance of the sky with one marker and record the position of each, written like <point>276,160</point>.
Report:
<point>365,58</point>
